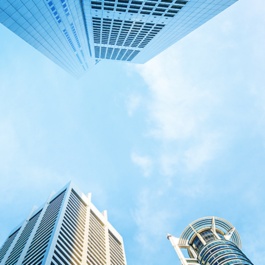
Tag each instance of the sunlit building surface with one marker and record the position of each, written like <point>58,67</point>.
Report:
<point>77,34</point>
<point>210,241</point>
<point>67,229</point>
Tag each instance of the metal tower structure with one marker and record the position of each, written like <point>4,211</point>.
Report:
<point>210,241</point>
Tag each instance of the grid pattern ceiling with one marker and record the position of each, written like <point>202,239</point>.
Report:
<point>124,32</point>
<point>167,8</point>
<point>123,39</point>
<point>115,53</point>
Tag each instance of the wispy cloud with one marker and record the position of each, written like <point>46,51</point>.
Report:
<point>179,114</point>
<point>133,103</point>
<point>144,162</point>
<point>193,120</point>
<point>179,122</point>
<point>203,151</point>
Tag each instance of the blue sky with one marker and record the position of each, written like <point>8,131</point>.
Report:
<point>158,145</point>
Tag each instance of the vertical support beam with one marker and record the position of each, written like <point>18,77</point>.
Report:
<point>214,228</point>
<point>174,241</point>
<point>198,235</point>
<point>228,235</point>
<point>194,254</point>
<point>213,225</point>
<point>85,248</point>
<point>106,236</point>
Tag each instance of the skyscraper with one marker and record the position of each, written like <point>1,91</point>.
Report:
<point>211,241</point>
<point>77,34</point>
<point>67,229</point>
<point>137,30</point>
<point>54,27</point>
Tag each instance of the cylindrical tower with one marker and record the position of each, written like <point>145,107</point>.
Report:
<point>210,241</point>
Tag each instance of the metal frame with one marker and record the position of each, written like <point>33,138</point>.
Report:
<point>215,224</point>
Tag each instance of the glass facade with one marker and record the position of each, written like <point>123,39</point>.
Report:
<point>136,30</point>
<point>210,241</point>
<point>67,230</point>
<point>222,252</point>
<point>54,27</point>
<point>77,34</point>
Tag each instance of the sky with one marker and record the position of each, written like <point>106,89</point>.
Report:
<point>159,145</point>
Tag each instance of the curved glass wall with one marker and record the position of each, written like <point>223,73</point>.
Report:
<point>207,235</point>
<point>222,252</point>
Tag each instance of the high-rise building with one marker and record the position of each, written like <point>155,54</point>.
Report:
<point>54,27</point>
<point>210,241</point>
<point>77,34</point>
<point>67,229</point>
<point>137,30</point>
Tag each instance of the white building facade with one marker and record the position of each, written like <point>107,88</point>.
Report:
<point>77,34</point>
<point>67,229</point>
<point>210,241</point>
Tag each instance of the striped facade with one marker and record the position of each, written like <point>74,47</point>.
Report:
<point>68,229</point>
<point>210,241</point>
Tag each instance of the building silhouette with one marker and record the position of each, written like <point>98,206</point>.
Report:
<point>67,229</point>
<point>211,241</point>
<point>77,34</point>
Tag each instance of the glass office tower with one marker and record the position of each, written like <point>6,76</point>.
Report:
<point>54,27</point>
<point>67,229</point>
<point>211,241</point>
<point>137,30</point>
<point>76,34</point>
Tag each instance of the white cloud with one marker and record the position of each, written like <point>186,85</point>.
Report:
<point>133,103</point>
<point>182,127</point>
<point>205,97</point>
<point>176,106</point>
<point>144,162</point>
<point>204,151</point>
<point>179,114</point>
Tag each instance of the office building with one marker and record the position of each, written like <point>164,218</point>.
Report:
<point>67,229</point>
<point>137,30</point>
<point>77,34</point>
<point>54,27</point>
<point>211,241</point>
